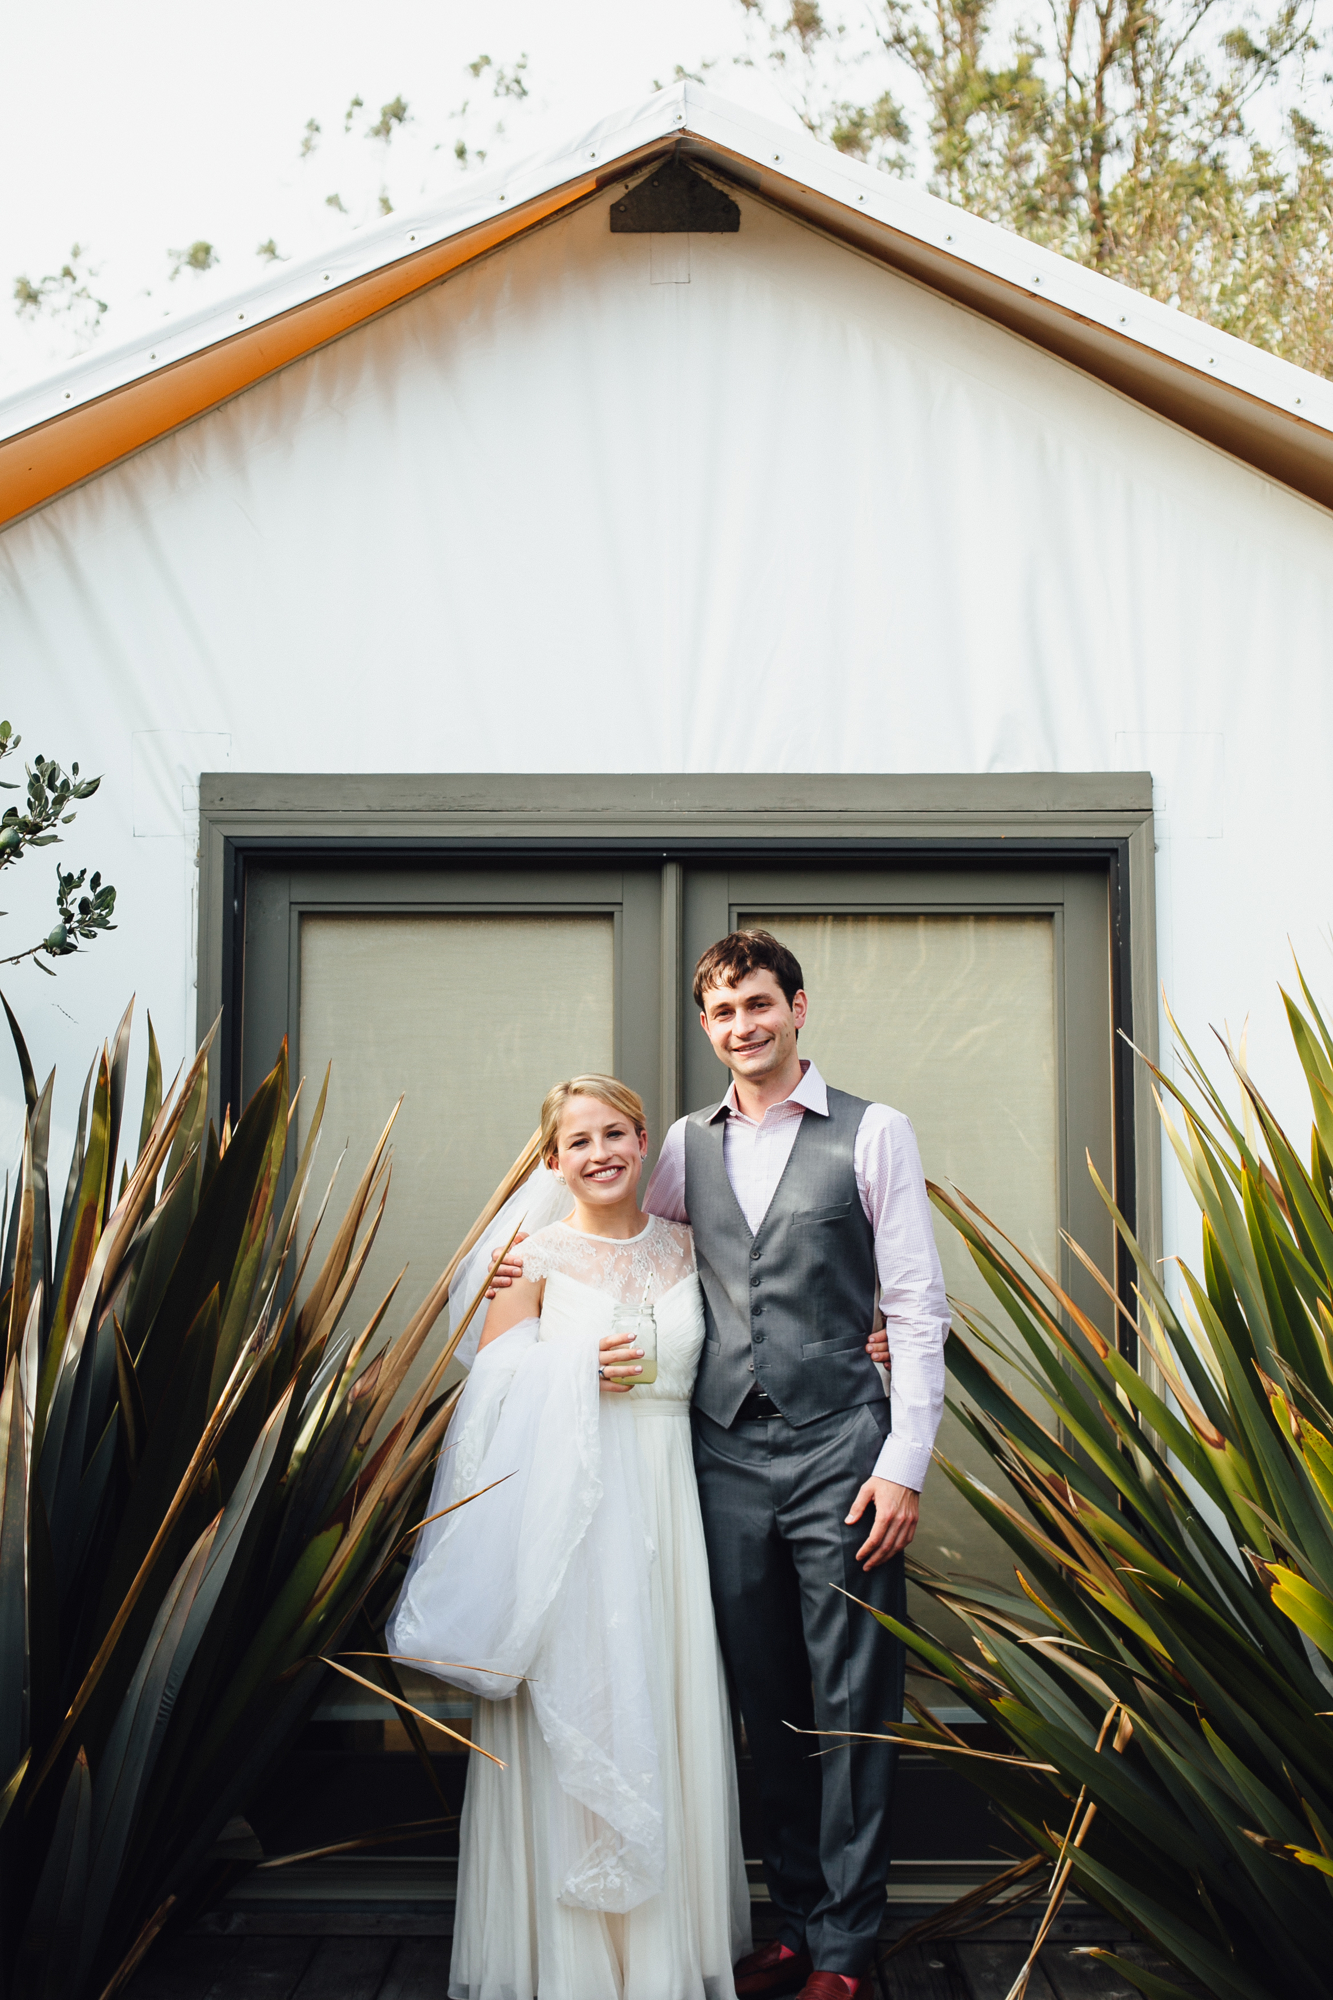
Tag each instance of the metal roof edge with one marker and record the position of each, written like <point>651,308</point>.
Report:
<point>1267,412</point>
<point>909,210</point>
<point>484,198</point>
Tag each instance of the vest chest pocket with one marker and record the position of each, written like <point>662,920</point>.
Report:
<point>820,1234</point>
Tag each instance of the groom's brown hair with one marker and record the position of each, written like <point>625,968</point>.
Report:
<point>735,957</point>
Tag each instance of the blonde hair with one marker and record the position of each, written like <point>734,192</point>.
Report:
<point>608,1090</point>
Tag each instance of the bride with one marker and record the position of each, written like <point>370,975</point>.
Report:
<point>600,1858</point>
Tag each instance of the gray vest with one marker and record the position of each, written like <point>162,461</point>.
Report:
<point>790,1309</point>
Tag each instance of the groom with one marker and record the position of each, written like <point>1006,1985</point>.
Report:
<point>805,1204</point>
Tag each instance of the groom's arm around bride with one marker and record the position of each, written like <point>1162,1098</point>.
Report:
<point>807,1204</point>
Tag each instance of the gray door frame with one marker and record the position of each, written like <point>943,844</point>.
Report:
<point>678,821</point>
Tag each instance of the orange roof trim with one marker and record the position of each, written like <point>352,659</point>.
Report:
<point>51,457</point>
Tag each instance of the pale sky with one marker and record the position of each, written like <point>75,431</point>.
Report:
<point>136,130</point>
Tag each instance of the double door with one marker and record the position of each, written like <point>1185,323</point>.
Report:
<point>975,998</point>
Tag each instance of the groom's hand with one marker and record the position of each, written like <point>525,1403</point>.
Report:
<point>511,1269</point>
<point>896,1510</point>
<point>877,1347</point>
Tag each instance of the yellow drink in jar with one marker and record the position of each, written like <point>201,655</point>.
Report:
<point>637,1327</point>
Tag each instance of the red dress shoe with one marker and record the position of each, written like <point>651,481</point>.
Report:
<point>834,1986</point>
<point>775,1968</point>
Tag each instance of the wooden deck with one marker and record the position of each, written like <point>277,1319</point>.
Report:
<point>210,1967</point>
<point>376,1929</point>
<point>367,1927</point>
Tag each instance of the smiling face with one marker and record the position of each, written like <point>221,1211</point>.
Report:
<point>752,1027</point>
<point>599,1153</point>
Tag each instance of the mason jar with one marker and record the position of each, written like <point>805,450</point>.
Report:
<point>636,1326</point>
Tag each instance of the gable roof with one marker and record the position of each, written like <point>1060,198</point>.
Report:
<point>1268,413</point>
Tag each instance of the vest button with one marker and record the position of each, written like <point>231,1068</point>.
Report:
<point>755,1279</point>
<point>756,1336</point>
<point>755,1311</point>
<point>754,1253</point>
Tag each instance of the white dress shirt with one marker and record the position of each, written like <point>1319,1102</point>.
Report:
<point>892,1188</point>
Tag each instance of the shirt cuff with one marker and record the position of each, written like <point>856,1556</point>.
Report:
<point>904,1462</point>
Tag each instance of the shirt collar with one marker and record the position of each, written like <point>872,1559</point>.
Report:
<point>811,1093</point>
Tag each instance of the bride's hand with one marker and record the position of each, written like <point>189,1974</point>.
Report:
<point>877,1347</point>
<point>616,1361</point>
<point>512,1268</point>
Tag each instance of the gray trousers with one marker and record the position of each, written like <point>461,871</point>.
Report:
<point>797,1652</point>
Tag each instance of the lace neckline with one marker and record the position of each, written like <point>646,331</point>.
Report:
<point>586,1235</point>
<point>659,1257</point>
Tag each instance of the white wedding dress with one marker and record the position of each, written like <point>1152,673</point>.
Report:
<point>603,1862</point>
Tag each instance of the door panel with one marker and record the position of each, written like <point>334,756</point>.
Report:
<point>467,991</point>
<point>979,1004</point>
<point>474,1017</point>
<point>967,1048</point>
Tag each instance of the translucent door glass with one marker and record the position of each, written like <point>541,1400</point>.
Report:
<point>952,1019</point>
<point>471,1018</point>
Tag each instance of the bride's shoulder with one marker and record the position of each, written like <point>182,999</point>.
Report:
<point>540,1251</point>
<point>678,1233</point>
<point>676,1239</point>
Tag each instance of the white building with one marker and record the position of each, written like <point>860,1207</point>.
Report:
<point>475,624</point>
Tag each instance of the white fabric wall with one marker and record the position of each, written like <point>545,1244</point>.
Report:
<point>794,514</point>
